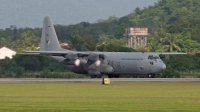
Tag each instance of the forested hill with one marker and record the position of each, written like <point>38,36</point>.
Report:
<point>169,16</point>
<point>165,13</point>
<point>174,26</point>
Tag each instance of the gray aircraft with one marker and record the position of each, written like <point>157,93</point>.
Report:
<point>97,63</point>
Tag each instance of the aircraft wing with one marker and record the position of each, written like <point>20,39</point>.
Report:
<point>52,53</point>
<point>169,53</point>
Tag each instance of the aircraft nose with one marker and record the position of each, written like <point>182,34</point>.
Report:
<point>164,66</point>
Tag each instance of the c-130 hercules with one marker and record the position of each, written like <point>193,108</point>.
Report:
<point>97,63</point>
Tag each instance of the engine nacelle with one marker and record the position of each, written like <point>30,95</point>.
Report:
<point>73,59</point>
<point>71,56</point>
<point>68,62</point>
<point>76,62</point>
<point>107,69</point>
<point>93,57</point>
<point>94,72</point>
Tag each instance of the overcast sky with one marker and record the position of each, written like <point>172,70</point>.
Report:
<point>30,13</point>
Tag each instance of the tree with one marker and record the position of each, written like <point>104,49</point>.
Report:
<point>187,44</point>
<point>155,41</point>
<point>105,40</point>
<point>111,44</point>
<point>76,41</point>
<point>89,42</point>
<point>171,42</point>
<point>19,71</point>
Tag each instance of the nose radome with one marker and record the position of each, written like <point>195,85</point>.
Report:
<point>164,66</point>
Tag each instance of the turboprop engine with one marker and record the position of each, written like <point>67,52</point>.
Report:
<point>74,59</point>
<point>94,58</point>
<point>97,64</point>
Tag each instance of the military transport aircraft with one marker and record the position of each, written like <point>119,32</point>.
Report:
<point>97,63</point>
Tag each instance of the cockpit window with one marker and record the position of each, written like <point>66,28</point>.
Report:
<point>153,57</point>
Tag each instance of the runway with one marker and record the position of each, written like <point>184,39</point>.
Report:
<point>21,80</point>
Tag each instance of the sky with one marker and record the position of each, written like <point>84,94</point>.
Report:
<point>30,13</point>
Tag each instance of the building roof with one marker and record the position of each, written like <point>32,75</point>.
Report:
<point>6,47</point>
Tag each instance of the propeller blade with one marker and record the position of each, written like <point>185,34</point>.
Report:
<point>97,63</point>
<point>77,62</point>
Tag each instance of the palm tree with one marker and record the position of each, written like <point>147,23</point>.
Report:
<point>153,46</point>
<point>171,42</point>
<point>156,40</point>
<point>28,39</point>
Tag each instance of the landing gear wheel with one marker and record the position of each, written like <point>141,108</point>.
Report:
<point>93,76</point>
<point>110,76</point>
<point>113,76</point>
<point>116,76</point>
<point>99,76</point>
<point>150,75</point>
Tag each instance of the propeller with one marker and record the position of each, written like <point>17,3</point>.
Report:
<point>76,58</point>
<point>77,62</point>
<point>97,63</point>
<point>95,58</point>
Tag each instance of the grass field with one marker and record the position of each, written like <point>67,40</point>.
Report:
<point>92,96</point>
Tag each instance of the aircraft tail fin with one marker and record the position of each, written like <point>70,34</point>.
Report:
<point>49,39</point>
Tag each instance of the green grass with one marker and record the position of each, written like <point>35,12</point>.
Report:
<point>92,96</point>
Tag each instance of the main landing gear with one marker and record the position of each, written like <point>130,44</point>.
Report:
<point>150,75</point>
<point>113,76</point>
<point>109,76</point>
<point>95,76</point>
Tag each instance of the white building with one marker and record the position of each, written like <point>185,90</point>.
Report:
<point>6,52</point>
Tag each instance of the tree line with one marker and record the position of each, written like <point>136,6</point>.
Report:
<point>173,26</point>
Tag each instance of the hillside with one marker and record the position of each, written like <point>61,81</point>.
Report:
<point>162,14</point>
<point>179,16</point>
<point>174,26</point>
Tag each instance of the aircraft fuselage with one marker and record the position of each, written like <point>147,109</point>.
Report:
<point>123,63</point>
